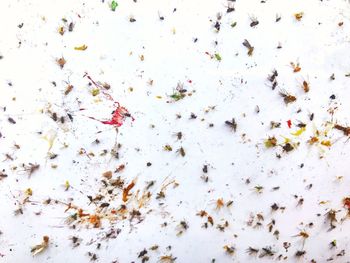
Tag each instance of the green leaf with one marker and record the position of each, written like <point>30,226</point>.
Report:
<point>177,96</point>
<point>217,56</point>
<point>114,5</point>
<point>95,92</point>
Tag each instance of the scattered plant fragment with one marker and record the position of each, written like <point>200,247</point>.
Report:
<point>249,47</point>
<point>41,247</point>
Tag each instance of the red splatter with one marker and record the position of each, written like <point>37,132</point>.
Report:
<point>119,114</point>
<point>289,123</point>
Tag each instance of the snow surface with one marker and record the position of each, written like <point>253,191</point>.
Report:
<point>143,62</point>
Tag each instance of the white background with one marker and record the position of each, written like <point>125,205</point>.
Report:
<point>235,86</point>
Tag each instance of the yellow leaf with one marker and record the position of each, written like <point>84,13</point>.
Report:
<point>95,92</point>
<point>270,142</point>
<point>61,30</point>
<point>67,185</point>
<point>299,132</point>
<point>323,202</point>
<point>29,192</point>
<point>82,48</point>
<point>286,140</point>
<point>326,143</point>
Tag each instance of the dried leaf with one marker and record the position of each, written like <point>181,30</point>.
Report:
<point>41,247</point>
<point>82,48</point>
<point>299,16</point>
<point>126,191</point>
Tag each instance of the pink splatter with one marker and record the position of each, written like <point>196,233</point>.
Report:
<point>119,114</point>
<point>118,117</point>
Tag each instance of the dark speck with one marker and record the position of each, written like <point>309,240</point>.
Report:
<point>217,25</point>
<point>11,120</point>
<point>193,116</point>
<point>254,23</point>
<point>288,147</point>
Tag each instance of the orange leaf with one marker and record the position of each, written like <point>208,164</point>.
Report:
<point>126,191</point>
